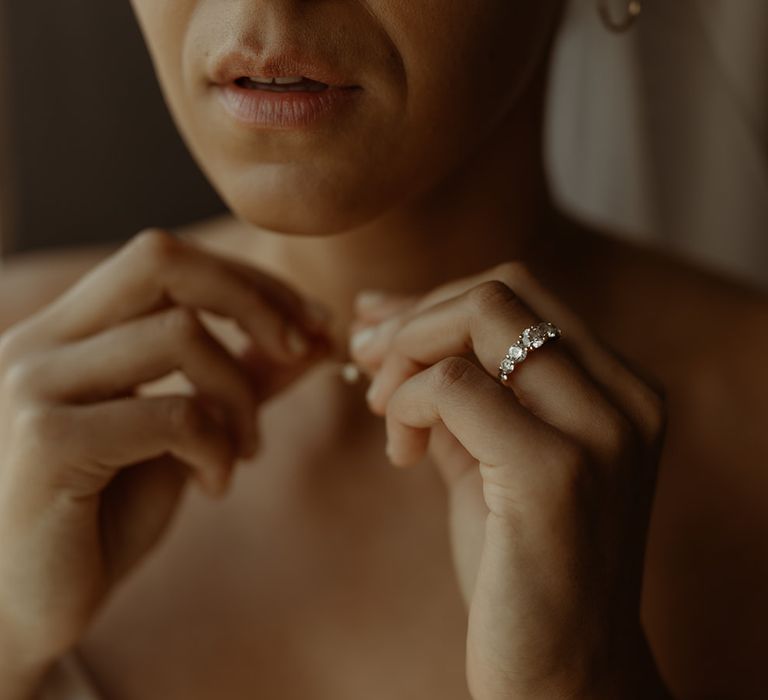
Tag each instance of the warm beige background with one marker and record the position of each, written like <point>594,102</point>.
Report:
<point>662,133</point>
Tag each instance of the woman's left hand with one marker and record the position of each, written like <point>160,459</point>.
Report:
<point>550,478</point>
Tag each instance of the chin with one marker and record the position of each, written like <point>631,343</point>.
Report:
<point>294,210</point>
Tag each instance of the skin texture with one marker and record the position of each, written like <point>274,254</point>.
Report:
<point>524,498</point>
<point>530,474</point>
<point>423,191</point>
<point>61,483</point>
<point>421,64</point>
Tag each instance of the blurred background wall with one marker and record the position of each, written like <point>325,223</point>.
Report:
<point>663,133</point>
<point>89,153</point>
<point>660,134</point>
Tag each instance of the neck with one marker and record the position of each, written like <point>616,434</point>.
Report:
<point>490,210</point>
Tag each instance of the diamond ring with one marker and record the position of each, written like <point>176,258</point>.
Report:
<point>531,338</point>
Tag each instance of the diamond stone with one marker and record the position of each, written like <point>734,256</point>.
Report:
<point>531,338</point>
<point>534,337</point>
<point>517,353</point>
<point>507,365</point>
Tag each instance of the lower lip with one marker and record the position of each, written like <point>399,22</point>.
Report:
<point>283,110</point>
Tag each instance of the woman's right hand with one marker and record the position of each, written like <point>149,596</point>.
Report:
<point>91,471</point>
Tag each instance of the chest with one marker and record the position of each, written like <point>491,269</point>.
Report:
<point>325,573</point>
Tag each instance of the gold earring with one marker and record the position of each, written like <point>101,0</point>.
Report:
<point>634,8</point>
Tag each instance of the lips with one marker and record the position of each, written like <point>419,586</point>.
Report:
<point>300,84</point>
<point>243,64</point>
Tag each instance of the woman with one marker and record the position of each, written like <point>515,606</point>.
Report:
<point>398,150</point>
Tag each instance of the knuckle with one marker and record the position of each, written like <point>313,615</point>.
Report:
<point>490,295</point>
<point>514,272</point>
<point>39,420</point>
<point>182,415</point>
<point>621,436</point>
<point>8,342</point>
<point>452,371</point>
<point>654,412</point>
<point>155,244</point>
<point>20,377</point>
<point>183,323</point>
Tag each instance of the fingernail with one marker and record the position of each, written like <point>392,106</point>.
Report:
<point>369,298</point>
<point>390,454</point>
<point>363,338</point>
<point>295,342</point>
<point>317,315</point>
<point>373,390</point>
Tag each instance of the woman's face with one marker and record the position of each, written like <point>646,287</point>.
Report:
<point>433,79</point>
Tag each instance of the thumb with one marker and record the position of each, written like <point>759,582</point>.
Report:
<point>136,509</point>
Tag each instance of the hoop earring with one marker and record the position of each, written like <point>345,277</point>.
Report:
<point>634,8</point>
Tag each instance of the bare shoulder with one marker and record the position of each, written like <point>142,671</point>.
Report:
<point>705,336</point>
<point>31,280</point>
<point>704,331</point>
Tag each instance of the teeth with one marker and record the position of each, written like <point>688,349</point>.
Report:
<point>287,80</point>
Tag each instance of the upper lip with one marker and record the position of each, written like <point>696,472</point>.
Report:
<point>237,64</point>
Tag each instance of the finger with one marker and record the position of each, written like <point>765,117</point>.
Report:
<point>378,313</point>
<point>373,306</point>
<point>125,432</point>
<point>314,315</point>
<point>518,453</point>
<point>488,422</point>
<point>146,349</point>
<point>487,320</point>
<point>156,270</point>
<point>369,344</point>
<point>637,394</point>
<point>272,378</point>
<point>152,488</point>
